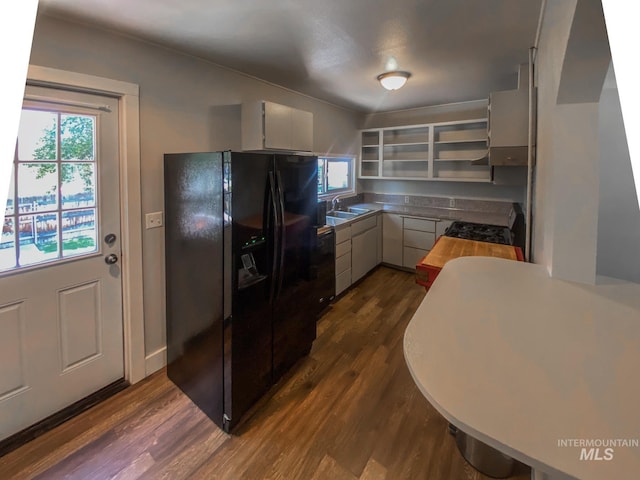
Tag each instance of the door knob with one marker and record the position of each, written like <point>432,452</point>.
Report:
<point>111,259</point>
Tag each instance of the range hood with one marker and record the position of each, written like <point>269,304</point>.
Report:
<point>508,114</point>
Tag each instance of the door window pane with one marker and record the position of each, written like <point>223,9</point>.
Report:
<point>10,208</point>
<point>78,232</point>
<point>37,135</point>
<point>78,185</point>
<point>38,238</point>
<point>8,245</point>
<point>38,185</point>
<point>77,137</point>
<point>52,209</point>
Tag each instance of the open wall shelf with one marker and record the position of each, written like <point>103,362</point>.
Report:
<point>442,151</point>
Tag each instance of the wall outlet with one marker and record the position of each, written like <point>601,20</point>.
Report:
<point>406,199</point>
<point>452,203</point>
<point>153,220</point>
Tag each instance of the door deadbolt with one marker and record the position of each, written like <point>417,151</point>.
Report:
<point>110,239</point>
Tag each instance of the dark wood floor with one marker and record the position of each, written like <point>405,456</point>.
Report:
<point>349,410</point>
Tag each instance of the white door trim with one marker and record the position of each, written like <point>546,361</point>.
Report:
<point>130,204</point>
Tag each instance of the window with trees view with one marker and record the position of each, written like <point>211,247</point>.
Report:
<point>335,175</point>
<point>51,209</point>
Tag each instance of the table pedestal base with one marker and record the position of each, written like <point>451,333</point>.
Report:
<point>482,457</point>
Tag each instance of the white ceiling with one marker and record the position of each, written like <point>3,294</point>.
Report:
<point>456,50</point>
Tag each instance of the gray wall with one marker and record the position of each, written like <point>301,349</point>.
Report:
<point>566,192</point>
<point>510,181</point>
<point>550,55</point>
<point>586,220</point>
<point>186,104</point>
<point>618,214</point>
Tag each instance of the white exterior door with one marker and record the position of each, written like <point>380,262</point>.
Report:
<point>61,328</point>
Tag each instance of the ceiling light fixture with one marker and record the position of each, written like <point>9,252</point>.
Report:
<point>393,80</point>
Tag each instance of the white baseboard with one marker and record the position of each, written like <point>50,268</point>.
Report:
<point>155,361</point>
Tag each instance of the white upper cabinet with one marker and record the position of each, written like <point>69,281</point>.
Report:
<point>508,127</point>
<point>508,113</point>
<point>271,126</point>
<point>437,151</point>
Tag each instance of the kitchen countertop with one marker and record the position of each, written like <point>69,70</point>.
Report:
<point>492,218</point>
<point>525,362</point>
<point>448,248</point>
<point>434,213</point>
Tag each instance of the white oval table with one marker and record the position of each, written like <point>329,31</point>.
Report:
<point>544,370</point>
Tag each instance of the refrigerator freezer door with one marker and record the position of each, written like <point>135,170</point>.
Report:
<point>194,277</point>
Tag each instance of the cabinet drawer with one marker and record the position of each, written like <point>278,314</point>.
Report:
<point>343,234</point>
<point>412,256</point>
<point>416,239</point>
<point>343,281</point>
<point>343,263</point>
<point>419,224</point>
<point>362,225</point>
<point>343,248</point>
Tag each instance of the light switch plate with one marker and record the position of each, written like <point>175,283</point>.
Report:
<point>153,220</point>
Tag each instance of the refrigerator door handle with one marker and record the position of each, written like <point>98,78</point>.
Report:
<point>282,232</point>
<point>274,267</point>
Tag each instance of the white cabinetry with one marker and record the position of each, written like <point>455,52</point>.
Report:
<point>271,126</point>
<point>358,247</point>
<point>364,247</point>
<point>392,239</point>
<point>435,151</point>
<point>407,239</point>
<point>419,236</point>
<point>508,127</point>
<point>405,152</point>
<point>370,153</point>
<point>343,259</point>
<point>456,146</point>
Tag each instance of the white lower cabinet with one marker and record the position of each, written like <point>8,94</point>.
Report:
<point>364,253</point>
<point>418,236</point>
<point>358,250</point>
<point>392,239</point>
<point>406,240</point>
<point>343,281</point>
<point>343,259</point>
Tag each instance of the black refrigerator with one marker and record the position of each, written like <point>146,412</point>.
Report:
<point>240,303</point>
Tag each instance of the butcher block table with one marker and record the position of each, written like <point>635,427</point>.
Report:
<point>448,248</point>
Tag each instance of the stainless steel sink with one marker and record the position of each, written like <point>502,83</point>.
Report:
<point>341,214</point>
<point>358,210</point>
<point>346,214</point>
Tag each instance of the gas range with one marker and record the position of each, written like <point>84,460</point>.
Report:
<point>481,232</point>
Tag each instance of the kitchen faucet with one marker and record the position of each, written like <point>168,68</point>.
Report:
<point>335,201</point>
